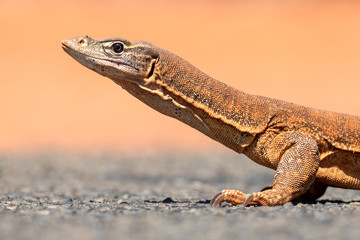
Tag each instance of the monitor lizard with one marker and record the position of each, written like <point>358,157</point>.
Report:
<point>310,149</point>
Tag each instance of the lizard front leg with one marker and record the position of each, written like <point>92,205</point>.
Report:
<point>294,175</point>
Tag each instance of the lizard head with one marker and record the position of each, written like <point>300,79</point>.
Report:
<point>116,58</point>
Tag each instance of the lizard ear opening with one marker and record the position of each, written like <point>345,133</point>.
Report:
<point>151,69</point>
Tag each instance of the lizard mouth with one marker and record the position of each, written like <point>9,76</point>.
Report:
<point>69,50</point>
<point>65,47</point>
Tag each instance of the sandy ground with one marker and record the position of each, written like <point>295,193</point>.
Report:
<point>59,196</point>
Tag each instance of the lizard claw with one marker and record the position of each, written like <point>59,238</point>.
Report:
<point>218,199</point>
<point>248,200</point>
<point>232,196</point>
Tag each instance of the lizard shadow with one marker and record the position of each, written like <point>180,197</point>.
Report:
<point>324,201</point>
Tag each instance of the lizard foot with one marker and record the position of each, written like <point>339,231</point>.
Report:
<point>234,197</point>
<point>270,197</point>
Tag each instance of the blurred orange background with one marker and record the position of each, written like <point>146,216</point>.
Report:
<point>307,52</point>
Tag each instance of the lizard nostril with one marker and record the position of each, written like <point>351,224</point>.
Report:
<point>82,41</point>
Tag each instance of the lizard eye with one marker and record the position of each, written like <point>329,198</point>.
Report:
<point>117,47</point>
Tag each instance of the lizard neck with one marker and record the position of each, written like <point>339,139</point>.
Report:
<point>222,112</point>
<point>246,112</point>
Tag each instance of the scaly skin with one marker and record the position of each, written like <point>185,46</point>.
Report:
<point>310,149</point>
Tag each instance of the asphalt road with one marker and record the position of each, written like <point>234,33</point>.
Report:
<point>63,196</point>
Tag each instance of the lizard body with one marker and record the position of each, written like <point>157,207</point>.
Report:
<point>310,149</point>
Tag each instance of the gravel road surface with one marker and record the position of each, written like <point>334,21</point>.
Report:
<point>63,196</point>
